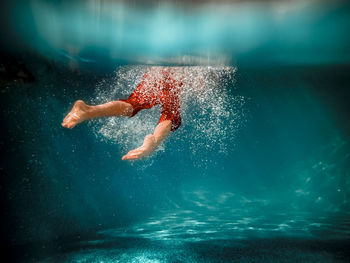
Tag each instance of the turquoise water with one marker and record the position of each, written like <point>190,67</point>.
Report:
<point>277,193</point>
<point>258,171</point>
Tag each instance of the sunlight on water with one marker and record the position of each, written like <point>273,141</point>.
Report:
<point>91,32</point>
<point>180,234</point>
<point>214,215</point>
<point>210,115</point>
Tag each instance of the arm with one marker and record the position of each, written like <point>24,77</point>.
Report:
<point>151,142</point>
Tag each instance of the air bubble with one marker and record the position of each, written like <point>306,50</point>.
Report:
<point>211,112</point>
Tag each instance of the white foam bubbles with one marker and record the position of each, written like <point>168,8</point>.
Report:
<point>210,110</point>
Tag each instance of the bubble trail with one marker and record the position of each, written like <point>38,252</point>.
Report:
<point>211,113</point>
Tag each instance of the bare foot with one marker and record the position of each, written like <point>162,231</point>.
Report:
<point>146,149</point>
<point>77,115</point>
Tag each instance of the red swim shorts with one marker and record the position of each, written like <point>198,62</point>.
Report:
<point>163,91</point>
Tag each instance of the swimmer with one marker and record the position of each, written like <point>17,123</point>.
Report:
<point>158,86</point>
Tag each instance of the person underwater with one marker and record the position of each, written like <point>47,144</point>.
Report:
<point>157,87</point>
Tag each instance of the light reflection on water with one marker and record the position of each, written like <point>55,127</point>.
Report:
<point>208,215</point>
<point>184,235</point>
<point>91,32</point>
<point>242,231</point>
<point>192,226</point>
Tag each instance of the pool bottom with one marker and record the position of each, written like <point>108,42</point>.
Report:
<point>203,236</point>
<point>133,249</point>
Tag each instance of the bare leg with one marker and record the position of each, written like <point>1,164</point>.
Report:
<point>81,112</point>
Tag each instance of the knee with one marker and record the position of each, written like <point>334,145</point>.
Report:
<point>127,108</point>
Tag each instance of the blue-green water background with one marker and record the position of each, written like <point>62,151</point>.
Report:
<point>284,175</point>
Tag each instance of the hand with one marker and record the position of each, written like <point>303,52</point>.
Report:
<point>146,149</point>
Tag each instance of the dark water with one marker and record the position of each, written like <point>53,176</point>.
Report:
<point>274,188</point>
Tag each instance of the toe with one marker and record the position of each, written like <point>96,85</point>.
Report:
<point>130,156</point>
<point>67,117</point>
